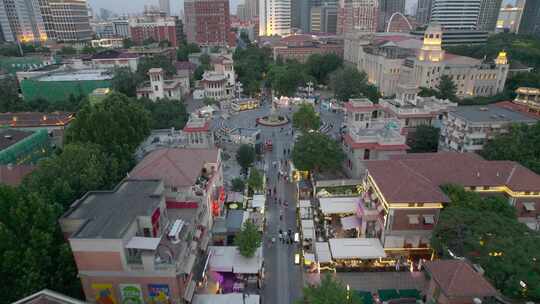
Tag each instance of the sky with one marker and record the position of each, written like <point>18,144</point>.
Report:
<point>137,6</point>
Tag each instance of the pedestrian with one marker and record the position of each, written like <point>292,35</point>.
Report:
<point>280,237</point>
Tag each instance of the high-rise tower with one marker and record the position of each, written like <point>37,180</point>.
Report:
<point>274,17</point>
<point>456,14</point>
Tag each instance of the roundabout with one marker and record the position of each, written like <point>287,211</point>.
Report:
<point>272,120</point>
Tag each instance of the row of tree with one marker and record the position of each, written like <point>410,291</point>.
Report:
<point>486,231</point>
<point>98,153</point>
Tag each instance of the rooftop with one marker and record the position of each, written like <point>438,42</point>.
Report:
<point>457,278</point>
<point>108,214</point>
<point>35,119</point>
<point>245,131</point>
<point>175,166</point>
<point>10,137</point>
<point>418,177</point>
<point>79,75</point>
<point>112,54</point>
<point>13,174</point>
<point>460,60</point>
<point>229,259</point>
<point>229,298</point>
<point>214,76</point>
<point>47,296</point>
<point>491,114</point>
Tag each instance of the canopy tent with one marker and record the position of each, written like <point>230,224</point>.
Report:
<point>338,205</point>
<point>366,296</point>
<point>388,294</point>
<point>258,201</point>
<point>356,248</point>
<point>308,229</point>
<point>229,259</point>
<point>145,243</point>
<point>234,197</point>
<point>229,298</point>
<point>304,204</point>
<point>350,222</point>
<point>323,252</point>
<point>409,293</point>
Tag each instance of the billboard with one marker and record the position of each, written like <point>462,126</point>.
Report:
<point>159,293</point>
<point>131,294</point>
<point>104,293</point>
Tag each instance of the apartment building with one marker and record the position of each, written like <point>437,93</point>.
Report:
<point>21,20</point>
<point>468,128</point>
<point>151,26</point>
<point>207,22</point>
<point>275,17</point>
<point>148,237</point>
<point>70,20</point>
<point>403,199</point>
<point>370,133</point>
<point>357,16</point>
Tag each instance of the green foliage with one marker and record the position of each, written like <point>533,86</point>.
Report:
<point>285,78</point>
<point>248,240</point>
<point>424,139</point>
<point>349,83</point>
<point>474,226</point>
<point>67,50</point>
<point>255,180</point>
<point>149,41</point>
<point>204,59</point>
<point>245,156</point>
<point>185,49</point>
<point>165,113</point>
<point>320,66</point>
<point>238,184</point>
<point>251,64</point>
<point>329,291</point>
<point>215,49</point>
<point>521,144</point>
<point>89,50</point>
<point>157,61</point>
<point>209,101</point>
<point>125,81</point>
<point>306,118</point>
<point>427,92</point>
<point>127,43</point>
<point>78,169</point>
<point>317,151</point>
<point>245,37</point>
<point>205,65</point>
<point>9,50</point>
<point>164,43</point>
<point>447,88</point>
<point>117,125</point>
<point>10,100</point>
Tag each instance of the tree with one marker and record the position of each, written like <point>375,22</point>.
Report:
<point>149,41</point>
<point>349,83</point>
<point>166,113</point>
<point>68,175</point>
<point>245,156</point>
<point>185,49</point>
<point>306,118</point>
<point>204,59</point>
<point>238,184</point>
<point>427,92</point>
<point>158,61</point>
<point>10,100</point>
<point>125,81</point>
<point>251,64</point>
<point>117,125</point>
<point>245,37</point>
<point>67,50</point>
<point>520,144</point>
<point>476,227</point>
<point>320,66</point>
<point>285,79</point>
<point>447,88</point>
<point>209,101</point>
<point>329,291</point>
<point>248,240</point>
<point>255,180</point>
<point>164,43</point>
<point>89,50</point>
<point>318,152</point>
<point>127,43</point>
<point>424,139</point>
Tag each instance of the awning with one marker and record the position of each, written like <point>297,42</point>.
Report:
<point>310,257</point>
<point>356,248</point>
<point>350,222</point>
<point>308,229</point>
<point>190,290</point>
<point>145,243</point>
<point>529,206</point>
<point>304,204</point>
<point>258,201</point>
<point>338,205</point>
<point>323,252</point>
<point>188,263</point>
<point>391,241</point>
<point>429,219</point>
<point>413,219</point>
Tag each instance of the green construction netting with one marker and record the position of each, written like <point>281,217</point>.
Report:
<point>29,150</point>
<point>60,90</point>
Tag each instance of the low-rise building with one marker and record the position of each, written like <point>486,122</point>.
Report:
<point>468,128</point>
<point>456,282</point>
<point>151,26</point>
<point>55,123</point>
<point>111,59</point>
<point>245,136</point>
<point>129,239</point>
<point>158,87</point>
<point>109,43</point>
<point>530,98</point>
<point>198,132</point>
<point>13,175</point>
<point>47,296</point>
<point>403,199</point>
<point>371,133</point>
<point>60,85</point>
<point>300,47</point>
<point>23,147</point>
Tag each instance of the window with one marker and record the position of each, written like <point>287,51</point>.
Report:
<point>356,116</point>
<point>429,219</point>
<point>366,153</point>
<point>155,88</point>
<point>406,121</point>
<point>413,219</point>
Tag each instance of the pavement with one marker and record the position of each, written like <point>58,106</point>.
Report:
<point>373,281</point>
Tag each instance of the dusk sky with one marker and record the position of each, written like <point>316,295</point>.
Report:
<point>136,6</point>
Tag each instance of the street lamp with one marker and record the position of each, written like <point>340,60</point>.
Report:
<point>348,293</point>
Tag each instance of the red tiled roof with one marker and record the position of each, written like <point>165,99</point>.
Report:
<point>13,174</point>
<point>457,278</point>
<point>518,108</point>
<point>424,173</point>
<point>373,146</point>
<point>205,127</point>
<point>176,167</point>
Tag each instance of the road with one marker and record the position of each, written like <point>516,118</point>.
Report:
<point>283,281</point>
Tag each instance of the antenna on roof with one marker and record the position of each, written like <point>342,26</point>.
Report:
<point>477,173</point>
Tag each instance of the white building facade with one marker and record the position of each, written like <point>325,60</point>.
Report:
<point>274,17</point>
